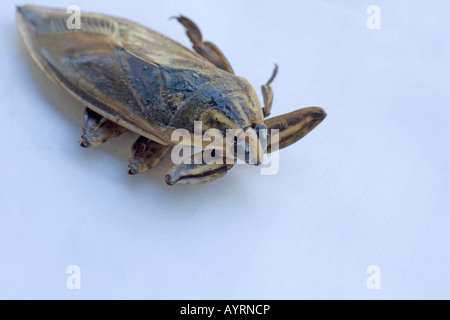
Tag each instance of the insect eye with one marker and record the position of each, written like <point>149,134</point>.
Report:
<point>263,135</point>
<point>241,149</point>
<point>259,127</point>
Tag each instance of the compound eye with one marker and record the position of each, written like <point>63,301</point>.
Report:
<point>259,127</point>
<point>263,135</point>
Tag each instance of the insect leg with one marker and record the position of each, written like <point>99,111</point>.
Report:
<point>97,129</point>
<point>145,154</point>
<point>196,173</point>
<point>206,49</point>
<point>293,126</point>
<point>268,93</point>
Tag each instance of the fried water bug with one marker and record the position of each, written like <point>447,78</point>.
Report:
<point>132,78</point>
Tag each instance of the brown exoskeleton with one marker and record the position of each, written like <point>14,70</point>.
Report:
<point>133,78</point>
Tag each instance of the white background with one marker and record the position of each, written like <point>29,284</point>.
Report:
<point>369,186</point>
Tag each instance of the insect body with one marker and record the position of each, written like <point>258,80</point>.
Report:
<point>132,78</point>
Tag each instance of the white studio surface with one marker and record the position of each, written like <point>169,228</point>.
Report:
<point>368,187</point>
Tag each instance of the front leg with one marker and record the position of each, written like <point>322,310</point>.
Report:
<point>293,126</point>
<point>196,173</point>
<point>206,49</point>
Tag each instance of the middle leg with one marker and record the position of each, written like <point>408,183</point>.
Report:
<point>206,49</point>
<point>268,93</point>
<point>145,154</point>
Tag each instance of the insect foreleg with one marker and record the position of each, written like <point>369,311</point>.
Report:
<point>294,125</point>
<point>192,173</point>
